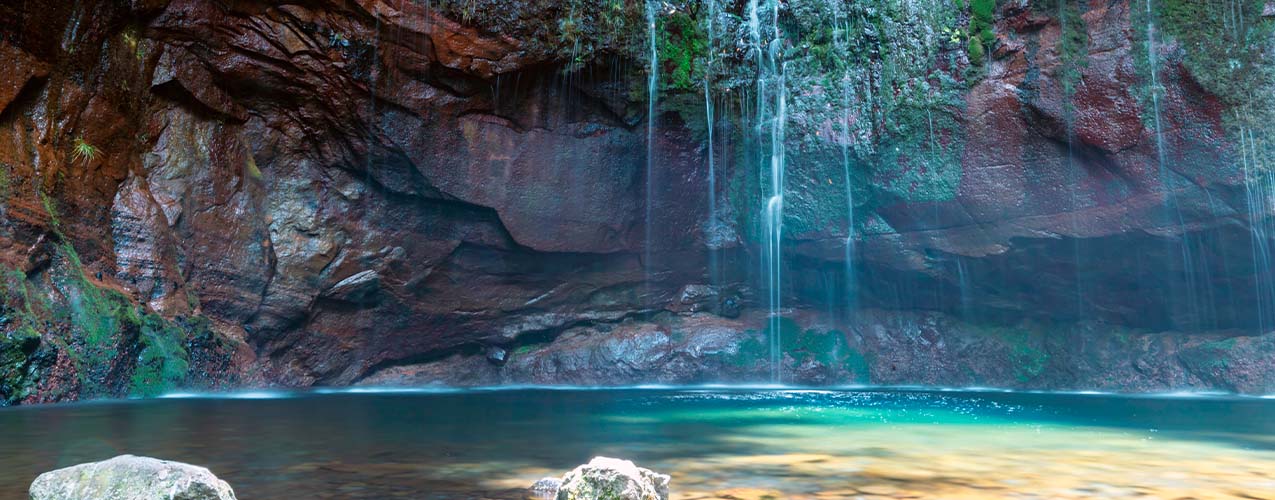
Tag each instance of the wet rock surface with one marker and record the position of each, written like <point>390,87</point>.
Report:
<point>613,478</point>
<point>329,192</point>
<point>875,348</point>
<point>128,477</point>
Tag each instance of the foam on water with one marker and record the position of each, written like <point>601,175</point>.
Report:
<point>759,388</point>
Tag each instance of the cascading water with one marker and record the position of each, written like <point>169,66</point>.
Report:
<point>847,90</point>
<point>652,96</point>
<point>711,224</point>
<point>1259,190</point>
<point>1075,174</point>
<point>772,114</point>
<point>1166,176</point>
<point>962,279</point>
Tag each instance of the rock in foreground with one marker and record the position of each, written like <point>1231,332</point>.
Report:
<point>613,479</point>
<point>128,477</point>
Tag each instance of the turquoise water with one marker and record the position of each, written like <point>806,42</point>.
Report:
<point>717,443</point>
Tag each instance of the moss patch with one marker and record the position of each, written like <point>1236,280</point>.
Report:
<point>825,347</point>
<point>163,362</point>
<point>1026,347</point>
<point>682,45</point>
<point>1228,51</point>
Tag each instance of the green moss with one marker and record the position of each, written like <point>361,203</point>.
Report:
<point>19,339</point>
<point>95,319</point>
<point>1214,355</point>
<point>1227,57</point>
<point>1228,51</point>
<point>251,168</point>
<point>16,348</point>
<point>1027,353</point>
<point>750,350</point>
<point>826,347</point>
<point>858,364</point>
<point>682,46</point>
<point>6,182</point>
<point>922,162</point>
<point>102,321</point>
<point>163,362</point>
<point>975,51</point>
<point>20,323</point>
<point>50,208</point>
<point>981,37</point>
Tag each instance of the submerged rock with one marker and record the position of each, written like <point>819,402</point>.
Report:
<point>546,488</point>
<point>613,479</point>
<point>129,477</point>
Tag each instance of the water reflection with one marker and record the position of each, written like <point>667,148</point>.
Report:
<point>716,443</point>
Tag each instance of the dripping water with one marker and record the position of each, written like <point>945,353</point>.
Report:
<point>846,90</point>
<point>1076,175</point>
<point>772,94</point>
<point>652,94</point>
<point>1259,190</point>
<point>963,284</point>
<point>1166,177</point>
<point>711,225</point>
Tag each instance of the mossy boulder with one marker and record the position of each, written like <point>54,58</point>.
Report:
<point>129,477</point>
<point>613,479</point>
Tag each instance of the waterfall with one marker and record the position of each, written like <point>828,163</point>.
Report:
<point>652,96</point>
<point>847,89</point>
<point>771,95</point>
<point>1166,176</point>
<point>1075,174</point>
<point>1259,194</point>
<point>963,285</point>
<point>711,224</point>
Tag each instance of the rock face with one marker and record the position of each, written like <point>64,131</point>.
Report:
<point>613,479</point>
<point>128,477</point>
<point>216,194</point>
<point>875,347</point>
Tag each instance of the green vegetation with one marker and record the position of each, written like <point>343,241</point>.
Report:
<point>828,348</point>
<point>103,323</point>
<point>1210,358</point>
<point>19,340</point>
<point>99,329</point>
<point>569,28</point>
<point>975,51</point>
<point>981,37</point>
<point>1228,51</point>
<point>82,150</point>
<point>97,319</point>
<point>869,85</point>
<point>682,46</point>
<point>251,167</point>
<point>133,41</point>
<point>1074,49</point>
<point>1027,352</point>
<point>163,362</point>
<point>6,182</point>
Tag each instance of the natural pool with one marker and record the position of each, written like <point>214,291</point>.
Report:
<point>716,443</point>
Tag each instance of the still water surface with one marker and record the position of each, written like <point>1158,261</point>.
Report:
<point>718,443</point>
